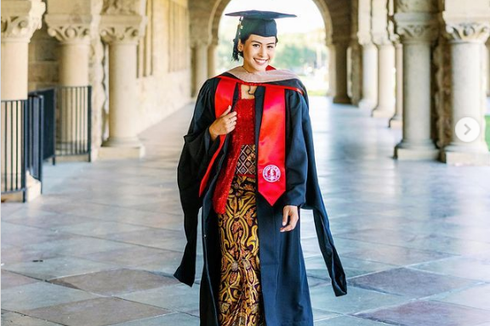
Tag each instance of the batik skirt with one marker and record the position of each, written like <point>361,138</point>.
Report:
<point>240,295</point>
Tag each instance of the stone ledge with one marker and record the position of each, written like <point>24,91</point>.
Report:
<point>405,154</point>
<point>119,153</point>
<point>458,158</point>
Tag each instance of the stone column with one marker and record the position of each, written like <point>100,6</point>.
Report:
<point>488,66</point>
<point>369,76</point>
<point>200,59</point>
<point>397,120</point>
<point>341,96</point>
<point>386,78</point>
<point>331,70</point>
<point>122,33</point>
<point>74,41</point>
<point>20,19</point>
<point>466,40</point>
<point>417,31</point>
<point>212,57</point>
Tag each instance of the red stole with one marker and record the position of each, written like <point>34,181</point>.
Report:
<point>271,161</point>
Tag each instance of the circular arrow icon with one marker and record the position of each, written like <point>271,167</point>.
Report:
<point>467,129</point>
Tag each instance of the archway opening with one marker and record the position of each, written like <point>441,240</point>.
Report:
<point>302,46</point>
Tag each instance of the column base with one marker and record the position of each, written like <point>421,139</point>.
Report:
<point>396,123</point>
<point>381,112</point>
<point>33,190</point>
<point>120,153</point>
<point>367,104</point>
<point>466,154</point>
<point>465,158</point>
<point>416,152</point>
<point>344,99</point>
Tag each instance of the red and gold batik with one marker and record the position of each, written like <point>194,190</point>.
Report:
<point>240,293</point>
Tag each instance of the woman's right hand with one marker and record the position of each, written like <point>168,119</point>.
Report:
<point>225,124</point>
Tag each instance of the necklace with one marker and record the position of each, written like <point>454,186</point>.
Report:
<point>250,90</point>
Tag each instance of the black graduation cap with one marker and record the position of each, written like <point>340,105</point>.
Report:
<point>258,22</point>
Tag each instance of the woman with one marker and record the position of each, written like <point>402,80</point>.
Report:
<point>248,161</point>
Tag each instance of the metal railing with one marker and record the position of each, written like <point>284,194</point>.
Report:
<point>73,121</point>
<point>22,125</point>
<point>50,123</point>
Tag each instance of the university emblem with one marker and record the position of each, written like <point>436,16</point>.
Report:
<point>271,173</point>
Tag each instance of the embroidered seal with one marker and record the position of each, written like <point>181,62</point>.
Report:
<point>271,173</point>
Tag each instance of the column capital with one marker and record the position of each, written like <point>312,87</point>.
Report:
<point>122,28</point>
<point>416,27</point>
<point>197,43</point>
<point>467,32</point>
<point>20,19</point>
<point>413,6</point>
<point>382,39</point>
<point>364,38</point>
<point>66,31</point>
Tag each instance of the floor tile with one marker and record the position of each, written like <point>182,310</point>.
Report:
<point>176,319</point>
<point>14,319</point>
<point>175,298</point>
<point>96,312</point>
<point>477,296</point>
<point>115,282</point>
<point>40,294</point>
<point>57,267</point>
<point>410,283</point>
<point>460,266</point>
<point>357,299</point>
<point>427,313</point>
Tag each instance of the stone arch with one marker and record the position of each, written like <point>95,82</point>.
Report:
<point>220,6</point>
<point>205,16</point>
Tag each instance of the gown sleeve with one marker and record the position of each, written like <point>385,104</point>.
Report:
<point>196,154</point>
<point>302,186</point>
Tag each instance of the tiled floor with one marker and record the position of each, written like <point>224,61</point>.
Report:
<point>100,246</point>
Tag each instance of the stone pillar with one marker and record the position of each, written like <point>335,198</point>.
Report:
<point>397,120</point>
<point>74,41</point>
<point>212,57</point>
<point>20,19</point>
<point>386,78</point>
<point>488,66</point>
<point>417,31</point>
<point>200,60</point>
<point>369,76</point>
<point>466,40</point>
<point>331,70</point>
<point>341,81</point>
<point>122,33</point>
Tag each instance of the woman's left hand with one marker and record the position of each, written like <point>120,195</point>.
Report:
<point>290,218</point>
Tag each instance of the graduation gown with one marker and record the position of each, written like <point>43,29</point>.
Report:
<point>283,275</point>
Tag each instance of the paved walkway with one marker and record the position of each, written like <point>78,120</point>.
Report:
<point>99,247</point>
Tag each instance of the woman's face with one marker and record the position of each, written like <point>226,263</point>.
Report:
<point>258,51</point>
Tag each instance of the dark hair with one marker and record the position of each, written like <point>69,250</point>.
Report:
<point>242,37</point>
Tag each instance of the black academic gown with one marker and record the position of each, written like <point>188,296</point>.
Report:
<point>283,275</point>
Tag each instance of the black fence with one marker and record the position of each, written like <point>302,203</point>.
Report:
<point>68,121</point>
<point>73,121</point>
<point>50,123</point>
<point>22,137</point>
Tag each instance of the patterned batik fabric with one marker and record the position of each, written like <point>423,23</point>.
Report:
<point>246,160</point>
<point>240,294</point>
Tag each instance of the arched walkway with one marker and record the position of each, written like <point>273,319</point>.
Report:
<point>413,237</point>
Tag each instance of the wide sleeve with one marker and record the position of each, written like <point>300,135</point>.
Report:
<point>196,154</point>
<point>314,201</point>
<point>296,154</point>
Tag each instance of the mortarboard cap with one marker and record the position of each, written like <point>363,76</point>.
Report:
<point>258,22</point>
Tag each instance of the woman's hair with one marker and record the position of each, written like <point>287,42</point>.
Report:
<point>242,36</point>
